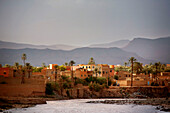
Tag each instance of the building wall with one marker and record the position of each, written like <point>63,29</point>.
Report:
<point>6,72</point>
<point>13,87</point>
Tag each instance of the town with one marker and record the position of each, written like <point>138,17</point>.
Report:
<point>26,80</point>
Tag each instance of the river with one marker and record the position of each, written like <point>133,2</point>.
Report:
<point>80,106</point>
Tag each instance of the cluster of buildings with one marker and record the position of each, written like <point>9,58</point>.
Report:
<point>80,71</point>
<point>83,71</point>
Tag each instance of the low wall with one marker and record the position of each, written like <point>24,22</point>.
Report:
<point>13,87</point>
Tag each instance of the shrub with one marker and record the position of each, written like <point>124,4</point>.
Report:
<point>116,77</point>
<point>95,87</point>
<point>101,80</point>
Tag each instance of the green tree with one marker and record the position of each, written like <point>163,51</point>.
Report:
<point>91,61</point>
<point>28,69</point>
<point>56,69</point>
<point>138,67</point>
<point>7,65</point>
<point>132,60</point>
<point>71,63</point>
<point>125,63</point>
<point>24,57</point>
<point>96,71</point>
<point>43,65</point>
<point>116,77</point>
<point>62,68</point>
<point>66,64</point>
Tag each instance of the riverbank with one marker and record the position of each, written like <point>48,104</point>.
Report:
<point>23,102</point>
<point>162,104</point>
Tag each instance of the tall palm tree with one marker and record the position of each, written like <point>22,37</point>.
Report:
<point>24,57</point>
<point>125,63</point>
<point>28,68</point>
<point>91,61</point>
<point>156,66</point>
<point>96,70</point>
<point>16,66</point>
<point>132,60</point>
<point>71,63</point>
<point>66,64</point>
<point>56,69</point>
<point>138,67</point>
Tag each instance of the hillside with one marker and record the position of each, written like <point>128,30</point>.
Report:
<point>80,55</point>
<point>155,49</point>
<point>119,44</point>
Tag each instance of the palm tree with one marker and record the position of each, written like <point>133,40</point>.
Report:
<point>125,63</point>
<point>96,70</point>
<point>16,66</point>
<point>43,65</point>
<point>138,67</point>
<point>28,68</point>
<point>156,66</point>
<point>66,64</point>
<point>56,69</point>
<point>91,61</point>
<point>71,63</point>
<point>131,60</point>
<point>24,57</point>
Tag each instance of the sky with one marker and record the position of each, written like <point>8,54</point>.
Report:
<point>82,22</point>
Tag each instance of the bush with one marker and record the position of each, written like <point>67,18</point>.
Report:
<point>116,77</point>
<point>66,85</point>
<point>101,80</point>
<point>95,87</point>
<point>49,89</point>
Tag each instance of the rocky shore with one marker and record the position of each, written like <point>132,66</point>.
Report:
<point>22,102</point>
<point>162,104</point>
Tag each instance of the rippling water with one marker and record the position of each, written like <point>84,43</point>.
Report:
<point>80,106</point>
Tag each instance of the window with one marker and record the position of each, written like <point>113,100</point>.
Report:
<point>81,75</point>
<point>85,75</point>
<point>93,66</point>
<point>103,72</point>
<point>110,70</point>
<point>4,73</point>
<point>89,66</point>
<point>86,66</point>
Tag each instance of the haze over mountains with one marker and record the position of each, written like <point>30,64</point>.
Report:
<point>144,50</point>
<point>11,45</point>
<point>119,44</point>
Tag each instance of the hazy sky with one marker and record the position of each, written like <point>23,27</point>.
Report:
<point>82,22</point>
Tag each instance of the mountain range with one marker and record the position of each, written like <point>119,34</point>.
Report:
<point>11,45</point>
<point>144,50</point>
